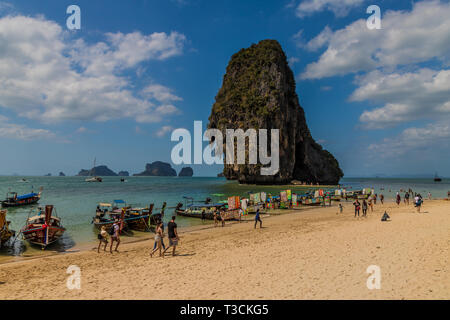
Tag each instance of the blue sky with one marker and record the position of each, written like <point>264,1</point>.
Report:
<point>379,100</point>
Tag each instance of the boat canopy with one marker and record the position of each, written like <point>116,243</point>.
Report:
<point>26,196</point>
<point>102,204</point>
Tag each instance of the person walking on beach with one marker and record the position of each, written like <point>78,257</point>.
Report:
<point>341,208</point>
<point>370,203</point>
<point>162,238</point>
<point>382,198</point>
<point>364,208</point>
<point>398,198</point>
<point>158,240</point>
<point>357,207</point>
<point>222,218</point>
<point>203,215</point>
<point>258,219</point>
<point>448,195</point>
<point>115,235</point>
<point>103,238</point>
<point>429,195</point>
<point>418,202</point>
<point>375,197</point>
<point>173,235</point>
<point>406,199</point>
<point>216,222</point>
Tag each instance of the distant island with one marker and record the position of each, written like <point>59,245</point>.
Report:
<point>61,174</point>
<point>124,174</point>
<point>97,171</point>
<point>186,172</point>
<point>157,168</point>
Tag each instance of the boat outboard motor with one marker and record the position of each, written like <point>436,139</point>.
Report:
<point>179,205</point>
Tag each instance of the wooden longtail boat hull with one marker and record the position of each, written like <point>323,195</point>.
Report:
<point>5,232</point>
<point>19,203</point>
<point>107,223</point>
<point>208,215</point>
<point>138,223</point>
<point>42,236</point>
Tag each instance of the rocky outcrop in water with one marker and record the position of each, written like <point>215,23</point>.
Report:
<point>61,174</point>
<point>258,92</point>
<point>103,171</point>
<point>186,172</point>
<point>158,168</point>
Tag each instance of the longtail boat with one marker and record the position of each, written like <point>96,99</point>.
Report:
<point>106,214</point>
<point>195,210</point>
<point>138,218</point>
<point>44,228</point>
<point>15,200</point>
<point>5,232</point>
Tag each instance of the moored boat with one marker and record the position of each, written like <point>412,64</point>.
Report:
<point>106,214</point>
<point>44,228</point>
<point>437,178</point>
<point>138,218</point>
<point>15,200</point>
<point>196,210</point>
<point>5,232</point>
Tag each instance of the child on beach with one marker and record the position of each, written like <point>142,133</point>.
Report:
<point>103,238</point>
<point>381,198</point>
<point>341,208</point>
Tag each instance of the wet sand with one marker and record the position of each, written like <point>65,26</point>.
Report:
<point>306,254</point>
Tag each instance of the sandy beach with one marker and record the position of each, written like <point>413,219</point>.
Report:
<point>304,254</point>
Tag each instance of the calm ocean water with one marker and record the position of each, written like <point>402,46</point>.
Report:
<point>75,200</point>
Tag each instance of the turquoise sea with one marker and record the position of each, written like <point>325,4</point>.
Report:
<point>75,200</point>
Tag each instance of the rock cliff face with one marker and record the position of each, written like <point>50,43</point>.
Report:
<point>186,172</point>
<point>158,168</point>
<point>258,92</point>
<point>103,171</point>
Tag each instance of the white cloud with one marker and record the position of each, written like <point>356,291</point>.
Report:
<point>164,130</point>
<point>160,93</point>
<point>407,96</point>
<point>293,60</point>
<point>339,7</point>
<point>47,77</point>
<point>21,132</point>
<point>406,37</point>
<point>429,138</point>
